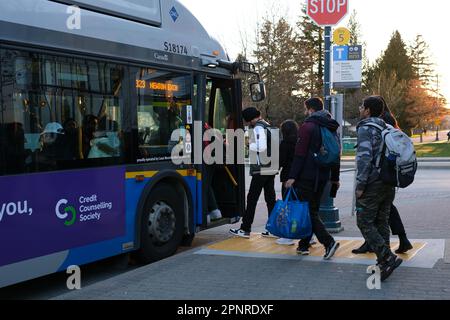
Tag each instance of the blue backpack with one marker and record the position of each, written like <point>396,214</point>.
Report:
<point>329,153</point>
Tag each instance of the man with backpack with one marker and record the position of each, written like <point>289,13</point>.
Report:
<point>263,176</point>
<point>374,196</point>
<point>316,161</point>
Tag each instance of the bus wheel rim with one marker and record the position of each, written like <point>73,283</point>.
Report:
<point>162,222</point>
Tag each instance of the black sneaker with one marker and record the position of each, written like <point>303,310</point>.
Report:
<point>331,250</point>
<point>389,265</point>
<point>404,247</point>
<point>267,234</point>
<point>303,248</point>
<point>240,233</point>
<point>303,251</point>
<point>363,249</point>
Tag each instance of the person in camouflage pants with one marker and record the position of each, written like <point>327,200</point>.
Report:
<point>374,198</point>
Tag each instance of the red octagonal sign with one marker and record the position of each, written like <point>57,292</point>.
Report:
<point>327,12</point>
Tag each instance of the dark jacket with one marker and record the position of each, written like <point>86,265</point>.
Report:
<point>287,152</point>
<point>309,142</point>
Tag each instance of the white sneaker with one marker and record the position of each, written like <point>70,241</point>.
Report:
<point>215,215</point>
<point>285,242</point>
<point>240,233</point>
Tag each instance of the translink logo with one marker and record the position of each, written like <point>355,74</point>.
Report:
<point>174,14</point>
<point>68,210</point>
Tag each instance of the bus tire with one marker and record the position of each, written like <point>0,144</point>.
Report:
<point>187,240</point>
<point>162,224</point>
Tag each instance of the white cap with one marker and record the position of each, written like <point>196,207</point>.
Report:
<point>53,127</point>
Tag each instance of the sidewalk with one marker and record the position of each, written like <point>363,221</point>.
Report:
<point>201,273</point>
<point>190,276</point>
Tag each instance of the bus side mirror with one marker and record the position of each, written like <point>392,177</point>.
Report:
<point>258,91</point>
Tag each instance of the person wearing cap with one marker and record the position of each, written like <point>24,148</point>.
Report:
<point>53,147</point>
<point>262,178</point>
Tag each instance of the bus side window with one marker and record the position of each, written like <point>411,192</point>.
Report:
<point>45,102</point>
<point>162,97</point>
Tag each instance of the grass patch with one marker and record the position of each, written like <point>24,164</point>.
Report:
<point>433,150</point>
<point>424,150</point>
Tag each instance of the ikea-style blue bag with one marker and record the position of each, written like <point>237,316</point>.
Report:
<point>290,218</point>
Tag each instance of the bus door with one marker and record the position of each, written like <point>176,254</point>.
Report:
<point>223,112</point>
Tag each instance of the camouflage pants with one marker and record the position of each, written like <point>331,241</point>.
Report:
<point>373,210</point>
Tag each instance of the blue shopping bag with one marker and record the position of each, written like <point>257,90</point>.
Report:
<point>290,218</point>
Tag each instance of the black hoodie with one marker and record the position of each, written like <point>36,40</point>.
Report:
<point>287,152</point>
<point>309,142</point>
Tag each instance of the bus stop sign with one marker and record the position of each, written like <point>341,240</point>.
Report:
<point>327,12</point>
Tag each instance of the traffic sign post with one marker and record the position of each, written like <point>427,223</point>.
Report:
<point>347,67</point>
<point>327,13</point>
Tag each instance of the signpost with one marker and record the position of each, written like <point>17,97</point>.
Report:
<point>347,67</point>
<point>327,13</point>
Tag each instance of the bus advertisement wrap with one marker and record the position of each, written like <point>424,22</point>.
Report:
<point>70,210</point>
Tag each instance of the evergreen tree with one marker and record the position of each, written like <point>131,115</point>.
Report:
<point>312,43</point>
<point>421,61</point>
<point>355,29</point>
<point>276,59</point>
<point>396,59</point>
<point>390,77</point>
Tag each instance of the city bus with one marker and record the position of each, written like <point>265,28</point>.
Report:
<point>91,93</point>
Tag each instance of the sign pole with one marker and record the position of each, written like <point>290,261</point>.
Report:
<point>327,75</point>
<point>328,13</point>
<point>328,212</point>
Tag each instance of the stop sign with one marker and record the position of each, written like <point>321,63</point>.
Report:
<point>327,12</point>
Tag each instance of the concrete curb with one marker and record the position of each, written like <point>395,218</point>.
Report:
<point>425,165</point>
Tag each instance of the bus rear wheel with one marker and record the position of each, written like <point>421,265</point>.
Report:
<point>162,224</point>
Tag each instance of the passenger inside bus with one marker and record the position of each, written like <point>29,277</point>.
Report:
<point>90,124</point>
<point>105,144</point>
<point>13,148</point>
<point>72,132</point>
<point>54,147</point>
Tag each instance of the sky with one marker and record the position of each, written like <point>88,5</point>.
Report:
<point>232,20</point>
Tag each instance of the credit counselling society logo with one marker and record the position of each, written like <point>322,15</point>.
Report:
<point>89,209</point>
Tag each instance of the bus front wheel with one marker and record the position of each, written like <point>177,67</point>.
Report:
<point>162,224</point>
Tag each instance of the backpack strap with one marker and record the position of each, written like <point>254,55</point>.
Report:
<point>379,160</point>
<point>374,125</point>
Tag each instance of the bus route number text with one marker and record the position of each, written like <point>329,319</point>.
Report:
<point>175,48</point>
